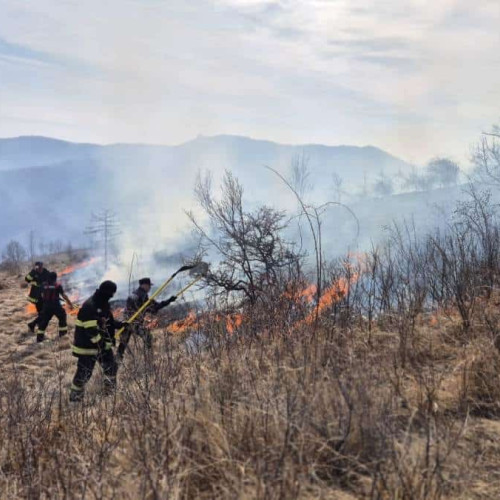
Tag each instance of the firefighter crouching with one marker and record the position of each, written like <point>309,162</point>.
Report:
<point>94,340</point>
<point>51,295</point>
<point>134,302</point>
<point>36,278</point>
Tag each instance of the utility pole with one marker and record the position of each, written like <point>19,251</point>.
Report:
<point>31,246</point>
<point>104,224</point>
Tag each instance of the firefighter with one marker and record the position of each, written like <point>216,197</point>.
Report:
<point>36,278</point>
<point>51,294</point>
<point>134,302</point>
<point>94,340</point>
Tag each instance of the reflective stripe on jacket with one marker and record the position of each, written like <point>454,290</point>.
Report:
<point>94,327</point>
<point>36,279</point>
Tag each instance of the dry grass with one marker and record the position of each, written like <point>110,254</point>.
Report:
<point>266,415</point>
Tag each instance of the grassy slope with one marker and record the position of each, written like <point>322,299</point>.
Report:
<point>277,416</point>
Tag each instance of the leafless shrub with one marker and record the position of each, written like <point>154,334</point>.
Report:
<point>281,416</point>
<point>486,158</point>
<point>314,389</point>
<point>13,256</point>
<point>481,384</point>
<point>252,250</point>
<point>443,171</point>
<point>31,247</point>
<point>300,175</point>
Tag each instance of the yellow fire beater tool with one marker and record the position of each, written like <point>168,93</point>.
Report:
<point>200,269</point>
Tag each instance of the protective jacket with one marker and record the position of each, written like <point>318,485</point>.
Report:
<point>134,302</point>
<point>36,279</point>
<point>51,292</point>
<point>138,298</point>
<point>94,327</point>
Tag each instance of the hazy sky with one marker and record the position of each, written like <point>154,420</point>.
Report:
<point>415,77</point>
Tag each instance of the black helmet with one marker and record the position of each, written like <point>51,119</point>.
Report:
<point>108,288</point>
<point>52,277</point>
<point>145,281</point>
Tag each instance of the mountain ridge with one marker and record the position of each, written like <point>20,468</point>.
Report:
<point>34,151</point>
<point>198,137</point>
<point>53,185</point>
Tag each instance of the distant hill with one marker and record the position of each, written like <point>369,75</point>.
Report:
<point>227,151</point>
<point>52,186</point>
<point>33,151</point>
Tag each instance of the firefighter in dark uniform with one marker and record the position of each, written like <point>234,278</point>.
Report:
<point>52,292</point>
<point>134,302</point>
<point>36,278</point>
<point>94,340</point>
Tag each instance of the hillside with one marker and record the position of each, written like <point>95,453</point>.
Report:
<point>52,186</point>
<point>333,415</point>
<point>34,151</point>
<point>232,151</point>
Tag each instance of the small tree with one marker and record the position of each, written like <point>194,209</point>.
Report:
<point>486,158</point>
<point>418,181</point>
<point>383,186</point>
<point>13,256</point>
<point>443,171</point>
<point>252,251</point>
<point>300,174</point>
<point>70,251</point>
<point>55,246</point>
<point>31,247</point>
<point>337,183</point>
<point>42,247</point>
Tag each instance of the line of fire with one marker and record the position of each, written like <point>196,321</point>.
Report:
<point>190,317</point>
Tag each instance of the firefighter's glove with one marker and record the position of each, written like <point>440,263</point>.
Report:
<point>168,301</point>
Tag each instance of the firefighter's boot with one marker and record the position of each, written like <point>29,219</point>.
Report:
<point>75,394</point>
<point>40,337</point>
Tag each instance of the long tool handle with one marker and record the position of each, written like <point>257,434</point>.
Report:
<point>145,305</point>
<point>187,287</point>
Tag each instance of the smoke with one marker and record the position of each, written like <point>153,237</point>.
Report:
<point>150,188</point>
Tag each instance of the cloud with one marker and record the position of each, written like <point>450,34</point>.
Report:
<point>415,77</point>
<point>20,53</point>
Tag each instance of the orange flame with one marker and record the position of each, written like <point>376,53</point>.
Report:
<point>118,312</point>
<point>71,312</point>
<point>31,308</point>
<point>151,322</point>
<point>296,295</point>
<point>230,321</point>
<point>182,325</point>
<point>75,267</point>
<point>333,294</point>
<point>233,322</point>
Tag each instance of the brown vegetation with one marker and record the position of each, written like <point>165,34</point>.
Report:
<point>273,415</point>
<point>382,382</point>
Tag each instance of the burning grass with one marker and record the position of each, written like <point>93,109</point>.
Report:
<point>75,267</point>
<point>269,416</point>
<point>286,399</point>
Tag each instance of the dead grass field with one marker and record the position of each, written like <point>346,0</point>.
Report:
<point>324,414</point>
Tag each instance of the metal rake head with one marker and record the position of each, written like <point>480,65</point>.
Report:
<point>199,270</point>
